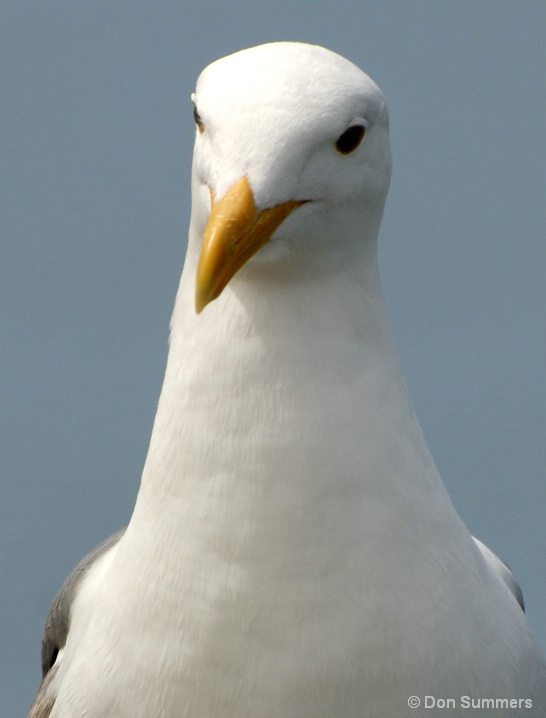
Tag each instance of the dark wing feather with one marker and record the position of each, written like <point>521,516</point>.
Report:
<point>58,625</point>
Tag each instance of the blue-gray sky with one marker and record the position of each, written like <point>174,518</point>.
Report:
<point>97,135</point>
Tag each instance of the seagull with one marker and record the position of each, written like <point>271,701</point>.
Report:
<point>293,552</point>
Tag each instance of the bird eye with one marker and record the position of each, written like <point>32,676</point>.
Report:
<point>350,139</point>
<point>198,120</point>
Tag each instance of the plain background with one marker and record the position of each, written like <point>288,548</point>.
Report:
<point>97,136</point>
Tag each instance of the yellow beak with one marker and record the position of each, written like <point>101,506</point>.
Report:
<point>235,231</point>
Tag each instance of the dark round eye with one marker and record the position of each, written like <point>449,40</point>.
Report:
<point>198,120</point>
<point>350,139</point>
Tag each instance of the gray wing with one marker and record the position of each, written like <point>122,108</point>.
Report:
<point>57,627</point>
<point>502,570</point>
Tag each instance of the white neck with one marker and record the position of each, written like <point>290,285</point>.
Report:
<point>292,400</point>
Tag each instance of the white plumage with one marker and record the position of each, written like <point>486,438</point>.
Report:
<point>293,552</point>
